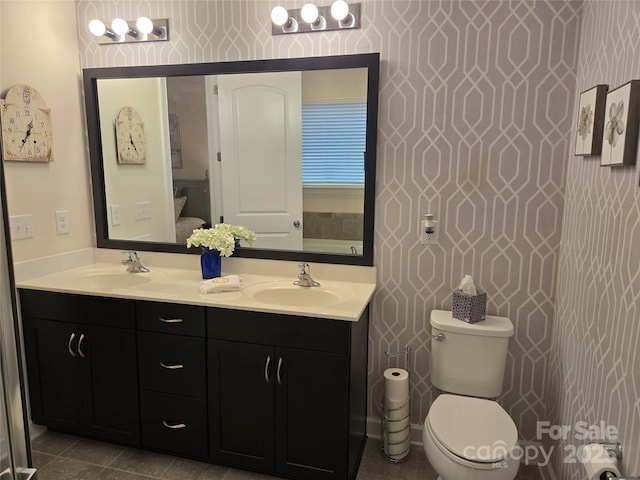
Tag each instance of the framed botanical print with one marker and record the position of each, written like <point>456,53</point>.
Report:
<point>591,120</point>
<point>622,119</point>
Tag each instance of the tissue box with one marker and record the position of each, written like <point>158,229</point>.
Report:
<point>469,308</point>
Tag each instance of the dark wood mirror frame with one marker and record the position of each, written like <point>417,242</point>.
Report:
<point>370,61</point>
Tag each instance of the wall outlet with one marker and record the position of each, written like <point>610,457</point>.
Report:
<point>115,215</point>
<point>142,210</point>
<point>429,231</point>
<point>62,222</point>
<point>20,227</point>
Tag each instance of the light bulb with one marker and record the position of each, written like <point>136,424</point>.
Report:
<point>120,26</point>
<point>279,15</point>
<point>97,27</point>
<point>309,12</point>
<point>145,25</point>
<point>339,10</point>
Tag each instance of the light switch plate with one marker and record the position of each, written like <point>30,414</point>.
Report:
<point>115,215</point>
<point>62,222</point>
<point>142,210</point>
<point>20,227</point>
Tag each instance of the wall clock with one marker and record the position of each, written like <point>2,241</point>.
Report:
<point>130,138</point>
<point>26,126</point>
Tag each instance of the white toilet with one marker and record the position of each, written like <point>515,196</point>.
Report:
<point>468,436</point>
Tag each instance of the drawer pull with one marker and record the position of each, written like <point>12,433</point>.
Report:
<point>173,426</point>
<point>278,372</point>
<point>266,369</point>
<point>171,366</point>
<point>80,345</point>
<point>71,352</point>
<point>170,320</point>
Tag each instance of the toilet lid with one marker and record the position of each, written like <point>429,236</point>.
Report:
<point>473,428</point>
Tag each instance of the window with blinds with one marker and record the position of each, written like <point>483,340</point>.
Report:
<point>333,144</point>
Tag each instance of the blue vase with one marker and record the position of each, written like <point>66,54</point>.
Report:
<point>211,263</point>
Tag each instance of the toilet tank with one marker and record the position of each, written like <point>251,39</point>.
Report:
<point>469,358</point>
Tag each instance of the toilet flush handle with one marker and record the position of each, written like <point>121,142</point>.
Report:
<point>439,337</point>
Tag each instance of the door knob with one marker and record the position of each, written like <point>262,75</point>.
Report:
<point>297,224</point>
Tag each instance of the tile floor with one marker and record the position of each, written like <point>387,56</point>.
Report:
<point>64,457</point>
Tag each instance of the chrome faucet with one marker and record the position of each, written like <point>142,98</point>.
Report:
<point>304,277</point>
<point>133,263</point>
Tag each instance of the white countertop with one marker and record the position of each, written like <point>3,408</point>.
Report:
<point>175,282</point>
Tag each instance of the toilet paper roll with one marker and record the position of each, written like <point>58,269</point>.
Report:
<point>397,438</point>
<point>397,451</point>
<point>396,384</point>
<point>399,426</point>
<point>596,461</point>
<point>396,409</point>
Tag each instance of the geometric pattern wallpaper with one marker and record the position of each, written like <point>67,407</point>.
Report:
<point>595,355</point>
<point>476,99</point>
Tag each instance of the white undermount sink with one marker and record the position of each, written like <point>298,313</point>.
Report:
<point>286,294</point>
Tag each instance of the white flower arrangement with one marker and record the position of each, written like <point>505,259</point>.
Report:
<point>221,237</point>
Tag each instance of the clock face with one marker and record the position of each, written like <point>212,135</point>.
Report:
<point>26,126</point>
<point>130,137</point>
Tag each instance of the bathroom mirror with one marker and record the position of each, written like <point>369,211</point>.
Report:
<point>285,147</point>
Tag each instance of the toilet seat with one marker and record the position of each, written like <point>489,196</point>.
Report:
<point>473,429</point>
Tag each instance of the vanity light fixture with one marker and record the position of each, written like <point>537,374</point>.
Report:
<point>280,17</point>
<point>122,28</point>
<point>143,29</point>
<point>99,29</point>
<point>311,18</point>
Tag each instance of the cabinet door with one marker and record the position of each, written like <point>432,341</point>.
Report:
<point>55,376</point>
<point>312,414</point>
<point>241,408</point>
<point>112,390</point>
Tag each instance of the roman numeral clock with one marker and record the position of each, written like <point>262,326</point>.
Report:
<point>26,126</point>
<point>130,137</point>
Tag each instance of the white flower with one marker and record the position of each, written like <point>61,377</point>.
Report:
<point>615,126</point>
<point>222,237</point>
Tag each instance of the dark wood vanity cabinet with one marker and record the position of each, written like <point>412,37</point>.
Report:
<point>279,394</point>
<point>79,354</point>
<point>173,381</point>
<point>283,393</point>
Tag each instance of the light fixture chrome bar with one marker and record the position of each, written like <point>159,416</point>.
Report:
<point>325,21</point>
<point>160,33</point>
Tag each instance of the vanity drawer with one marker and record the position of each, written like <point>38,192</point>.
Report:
<point>174,424</point>
<point>85,309</point>
<point>280,330</point>
<point>171,318</point>
<point>172,364</point>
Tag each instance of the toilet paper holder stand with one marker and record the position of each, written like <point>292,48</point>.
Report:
<point>386,424</point>
<point>614,450</point>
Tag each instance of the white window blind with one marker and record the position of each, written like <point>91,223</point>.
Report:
<point>333,144</point>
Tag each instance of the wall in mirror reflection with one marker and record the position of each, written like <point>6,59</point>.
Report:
<point>280,152</point>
